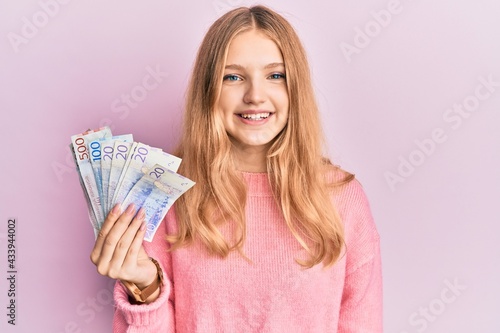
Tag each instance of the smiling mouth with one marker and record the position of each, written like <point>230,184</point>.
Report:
<point>255,116</point>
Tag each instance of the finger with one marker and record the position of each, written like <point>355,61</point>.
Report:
<point>109,222</point>
<point>122,249</point>
<point>136,249</point>
<point>144,270</point>
<point>115,234</point>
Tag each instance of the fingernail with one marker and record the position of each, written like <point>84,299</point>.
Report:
<point>130,208</point>
<point>116,209</point>
<point>143,226</point>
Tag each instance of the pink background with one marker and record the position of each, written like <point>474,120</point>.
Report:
<point>438,222</point>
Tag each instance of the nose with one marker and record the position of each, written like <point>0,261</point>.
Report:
<point>255,93</point>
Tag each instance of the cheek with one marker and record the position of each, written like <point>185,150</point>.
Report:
<point>226,106</point>
<point>281,98</point>
<point>219,118</point>
<point>221,124</point>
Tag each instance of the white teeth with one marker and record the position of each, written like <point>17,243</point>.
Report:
<point>255,116</point>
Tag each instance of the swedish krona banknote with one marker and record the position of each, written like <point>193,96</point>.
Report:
<point>82,157</point>
<point>116,170</point>
<point>107,153</point>
<point>159,187</point>
<point>140,160</point>
<point>96,154</point>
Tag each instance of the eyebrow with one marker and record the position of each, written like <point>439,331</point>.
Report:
<point>268,66</point>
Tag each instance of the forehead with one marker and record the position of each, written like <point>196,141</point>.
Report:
<point>253,48</point>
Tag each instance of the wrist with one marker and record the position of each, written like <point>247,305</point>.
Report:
<point>145,293</point>
<point>150,275</point>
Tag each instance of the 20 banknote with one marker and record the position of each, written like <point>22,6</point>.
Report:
<point>116,170</point>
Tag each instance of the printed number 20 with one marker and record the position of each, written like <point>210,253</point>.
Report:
<point>157,172</point>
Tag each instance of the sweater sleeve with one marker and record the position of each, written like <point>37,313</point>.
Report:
<point>157,316</point>
<point>361,305</point>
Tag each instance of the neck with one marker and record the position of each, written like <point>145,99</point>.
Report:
<point>251,159</point>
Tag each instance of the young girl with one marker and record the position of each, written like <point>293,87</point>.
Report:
<point>273,237</point>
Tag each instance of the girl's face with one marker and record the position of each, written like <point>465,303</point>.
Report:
<point>253,101</point>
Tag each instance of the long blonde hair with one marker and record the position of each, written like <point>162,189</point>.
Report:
<point>295,166</point>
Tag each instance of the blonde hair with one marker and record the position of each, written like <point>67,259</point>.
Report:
<point>296,169</point>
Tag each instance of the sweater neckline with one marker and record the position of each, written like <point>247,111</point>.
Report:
<point>257,184</point>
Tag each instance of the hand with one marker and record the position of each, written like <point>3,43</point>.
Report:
<point>118,251</point>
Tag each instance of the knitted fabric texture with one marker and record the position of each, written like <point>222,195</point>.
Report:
<point>270,293</point>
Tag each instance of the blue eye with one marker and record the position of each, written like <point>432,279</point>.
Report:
<point>231,77</point>
<point>277,76</point>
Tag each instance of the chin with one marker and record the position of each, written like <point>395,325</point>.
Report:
<point>250,143</point>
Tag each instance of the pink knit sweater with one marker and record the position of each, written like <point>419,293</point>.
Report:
<point>272,293</point>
